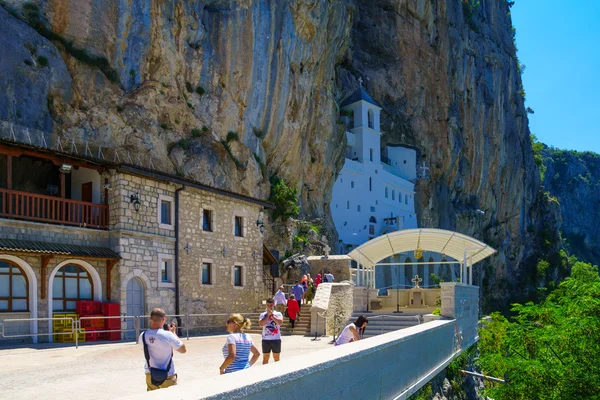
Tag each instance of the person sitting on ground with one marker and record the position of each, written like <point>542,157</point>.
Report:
<point>351,331</point>
<point>238,346</point>
<point>158,343</point>
<point>293,310</point>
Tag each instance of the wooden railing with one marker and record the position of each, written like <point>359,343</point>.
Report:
<point>36,207</point>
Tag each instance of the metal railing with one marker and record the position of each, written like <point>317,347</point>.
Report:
<point>75,329</point>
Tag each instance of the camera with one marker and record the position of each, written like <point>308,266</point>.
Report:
<point>166,327</point>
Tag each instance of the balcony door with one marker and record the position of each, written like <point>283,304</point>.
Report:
<point>86,192</point>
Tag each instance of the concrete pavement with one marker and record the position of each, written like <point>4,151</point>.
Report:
<point>111,371</point>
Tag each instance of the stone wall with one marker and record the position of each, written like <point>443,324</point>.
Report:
<point>141,240</point>
<point>41,232</point>
<point>222,250</point>
<point>461,302</point>
<point>338,265</point>
<point>340,307</point>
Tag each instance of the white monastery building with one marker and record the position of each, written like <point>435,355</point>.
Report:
<point>374,192</point>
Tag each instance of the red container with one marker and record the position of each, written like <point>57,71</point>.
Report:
<point>84,307</point>
<point>95,323</point>
<point>97,307</point>
<point>113,335</point>
<point>111,309</point>
<point>113,323</point>
<point>93,336</point>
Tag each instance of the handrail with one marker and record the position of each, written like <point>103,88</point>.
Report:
<point>39,207</point>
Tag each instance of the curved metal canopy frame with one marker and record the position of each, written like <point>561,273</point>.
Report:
<point>452,244</point>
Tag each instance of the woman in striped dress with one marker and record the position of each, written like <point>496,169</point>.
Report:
<point>238,346</point>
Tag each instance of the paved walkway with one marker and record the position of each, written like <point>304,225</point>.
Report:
<point>110,371</point>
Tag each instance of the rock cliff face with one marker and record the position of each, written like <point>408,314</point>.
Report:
<point>141,75</point>
<point>574,179</point>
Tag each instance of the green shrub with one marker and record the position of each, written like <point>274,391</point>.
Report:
<point>230,152</point>
<point>190,105</point>
<point>132,73</point>
<point>204,128</point>
<point>284,198</point>
<point>347,113</point>
<point>42,61</point>
<point>200,90</point>
<point>196,132</point>
<point>189,87</point>
<point>177,121</point>
<point>184,144</point>
<point>437,311</point>
<point>232,136</point>
<point>165,126</point>
<point>258,133</point>
<point>119,108</point>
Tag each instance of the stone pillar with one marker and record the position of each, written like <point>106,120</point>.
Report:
<point>461,302</point>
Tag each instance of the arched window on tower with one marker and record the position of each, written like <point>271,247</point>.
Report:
<point>371,118</point>
<point>370,184</point>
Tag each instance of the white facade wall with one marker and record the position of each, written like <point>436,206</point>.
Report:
<point>85,175</point>
<point>403,160</point>
<point>359,203</point>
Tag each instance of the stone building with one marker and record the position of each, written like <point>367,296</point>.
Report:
<point>73,228</point>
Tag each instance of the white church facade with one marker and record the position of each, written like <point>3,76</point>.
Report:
<point>374,192</point>
<point>374,195</point>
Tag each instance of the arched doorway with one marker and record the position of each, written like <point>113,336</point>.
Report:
<point>135,305</point>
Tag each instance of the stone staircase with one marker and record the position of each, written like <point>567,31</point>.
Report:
<point>302,327</point>
<point>384,323</point>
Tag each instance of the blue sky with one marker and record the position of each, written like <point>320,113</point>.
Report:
<point>559,42</point>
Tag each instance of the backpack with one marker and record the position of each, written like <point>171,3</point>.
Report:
<point>325,279</point>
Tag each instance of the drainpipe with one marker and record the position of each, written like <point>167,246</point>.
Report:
<point>177,253</point>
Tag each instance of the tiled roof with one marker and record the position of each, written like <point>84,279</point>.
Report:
<point>27,246</point>
<point>360,94</point>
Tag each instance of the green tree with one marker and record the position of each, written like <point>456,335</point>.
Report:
<point>549,350</point>
<point>285,199</point>
<point>537,148</point>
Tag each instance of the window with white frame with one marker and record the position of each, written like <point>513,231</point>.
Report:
<point>238,226</point>
<point>207,220</point>
<point>238,275</point>
<point>166,212</point>
<point>166,271</point>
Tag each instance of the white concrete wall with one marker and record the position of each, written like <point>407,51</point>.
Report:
<point>393,365</point>
<point>84,175</point>
<point>404,160</point>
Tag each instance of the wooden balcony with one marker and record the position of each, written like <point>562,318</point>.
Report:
<point>55,210</point>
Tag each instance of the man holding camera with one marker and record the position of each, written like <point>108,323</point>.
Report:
<point>158,343</point>
<point>271,321</point>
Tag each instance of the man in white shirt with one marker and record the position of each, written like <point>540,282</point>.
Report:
<point>329,276</point>
<point>161,343</point>
<point>280,300</point>
<point>271,321</point>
